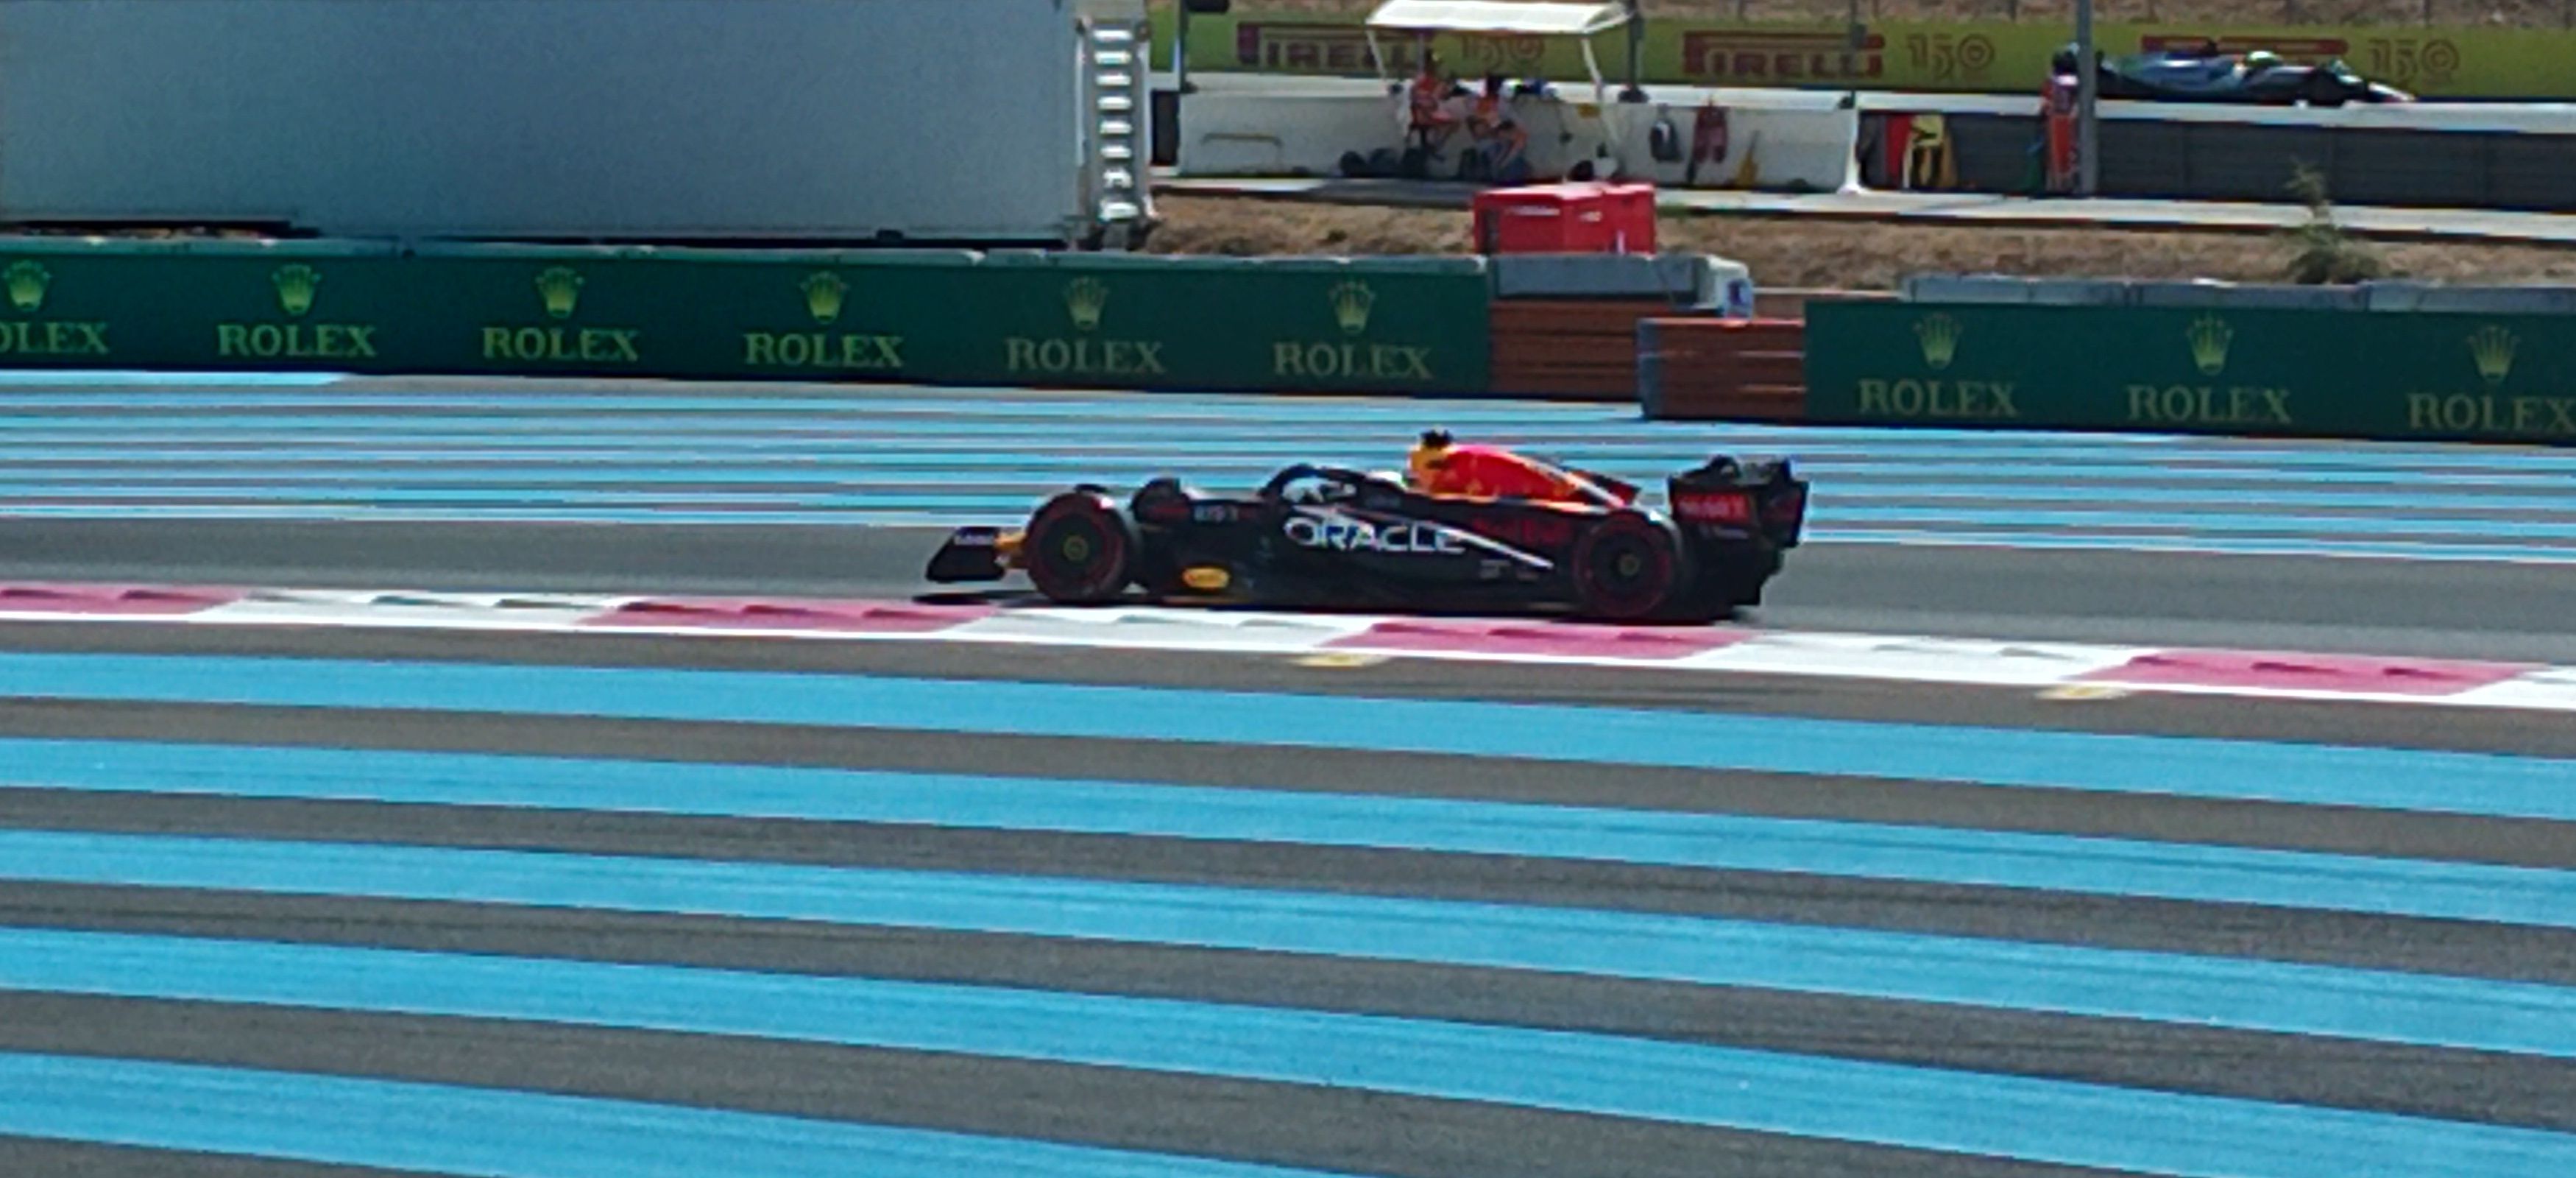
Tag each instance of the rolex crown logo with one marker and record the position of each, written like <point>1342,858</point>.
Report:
<point>1085,299</point>
<point>2492,348</point>
<point>560,287</point>
<point>1351,303</point>
<point>823,293</point>
<point>2209,336</point>
<point>27,281</point>
<point>296,285</point>
<point>1939,335</point>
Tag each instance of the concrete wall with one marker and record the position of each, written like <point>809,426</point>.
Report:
<point>676,118</point>
<point>2383,160</point>
<point>1777,140</point>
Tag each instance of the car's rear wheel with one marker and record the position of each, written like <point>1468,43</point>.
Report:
<point>1629,567</point>
<point>1080,550</point>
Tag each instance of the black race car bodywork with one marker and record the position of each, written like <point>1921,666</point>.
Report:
<point>1323,537</point>
<point>2250,79</point>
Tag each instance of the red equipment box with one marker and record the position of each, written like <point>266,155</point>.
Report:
<point>1566,219</point>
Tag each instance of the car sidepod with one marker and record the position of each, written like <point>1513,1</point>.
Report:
<point>1392,555</point>
<point>1201,548</point>
<point>1369,544</point>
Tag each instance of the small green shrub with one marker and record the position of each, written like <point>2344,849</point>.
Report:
<point>2321,253</point>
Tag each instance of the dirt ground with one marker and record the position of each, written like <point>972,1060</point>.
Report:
<point>2453,13</point>
<point>1787,253</point>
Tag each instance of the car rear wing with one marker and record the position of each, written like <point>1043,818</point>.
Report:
<point>1761,496</point>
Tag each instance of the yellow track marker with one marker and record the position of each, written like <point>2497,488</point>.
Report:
<point>2084,691</point>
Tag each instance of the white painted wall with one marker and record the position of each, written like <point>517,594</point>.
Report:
<point>715,118</point>
<point>1792,139</point>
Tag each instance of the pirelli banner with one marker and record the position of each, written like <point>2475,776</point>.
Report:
<point>2345,374</point>
<point>1969,56</point>
<point>1393,325</point>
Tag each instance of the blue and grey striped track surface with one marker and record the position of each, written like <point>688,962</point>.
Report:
<point>331,903</point>
<point>308,448</point>
<point>287,903</point>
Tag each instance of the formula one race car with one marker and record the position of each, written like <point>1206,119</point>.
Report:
<point>2259,78</point>
<point>1324,537</point>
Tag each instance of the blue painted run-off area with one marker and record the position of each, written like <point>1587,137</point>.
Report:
<point>2038,1120</point>
<point>2495,785</point>
<point>2192,872</point>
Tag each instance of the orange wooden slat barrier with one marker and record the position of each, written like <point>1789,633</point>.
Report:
<point>1722,369</point>
<point>1569,349</point>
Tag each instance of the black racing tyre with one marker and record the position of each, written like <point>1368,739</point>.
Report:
<point>1629,567</point>
<point>1080,550</point>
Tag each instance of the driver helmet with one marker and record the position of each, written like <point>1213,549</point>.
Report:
<point>1429,454</point>
<point>2261,59</point>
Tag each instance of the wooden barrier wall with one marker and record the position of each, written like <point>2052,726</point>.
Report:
<point>1721,369</point>
<point>1569,349</point>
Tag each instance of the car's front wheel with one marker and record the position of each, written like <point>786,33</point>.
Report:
<point>1080,549</point>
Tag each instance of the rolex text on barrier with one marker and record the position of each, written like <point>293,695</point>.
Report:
<point>206,305</point>
<point>1395,325</point>
<point>2352,374</point>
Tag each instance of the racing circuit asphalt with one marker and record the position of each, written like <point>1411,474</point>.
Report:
<point>1339,1122</point>
<point>255,471</point>
<point>2362,605</point>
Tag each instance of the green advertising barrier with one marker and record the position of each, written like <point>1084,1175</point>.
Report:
<point>2462,61</point>
<point>1323,325</point>
<point>2349,374</point>
<point>73,303</point>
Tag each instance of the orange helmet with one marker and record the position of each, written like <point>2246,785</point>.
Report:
<point>1429,453</point>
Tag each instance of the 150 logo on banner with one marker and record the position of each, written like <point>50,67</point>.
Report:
<point>1950,57</point>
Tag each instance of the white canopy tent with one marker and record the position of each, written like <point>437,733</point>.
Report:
<point>1542,18</point>
<point>1528,18</point>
